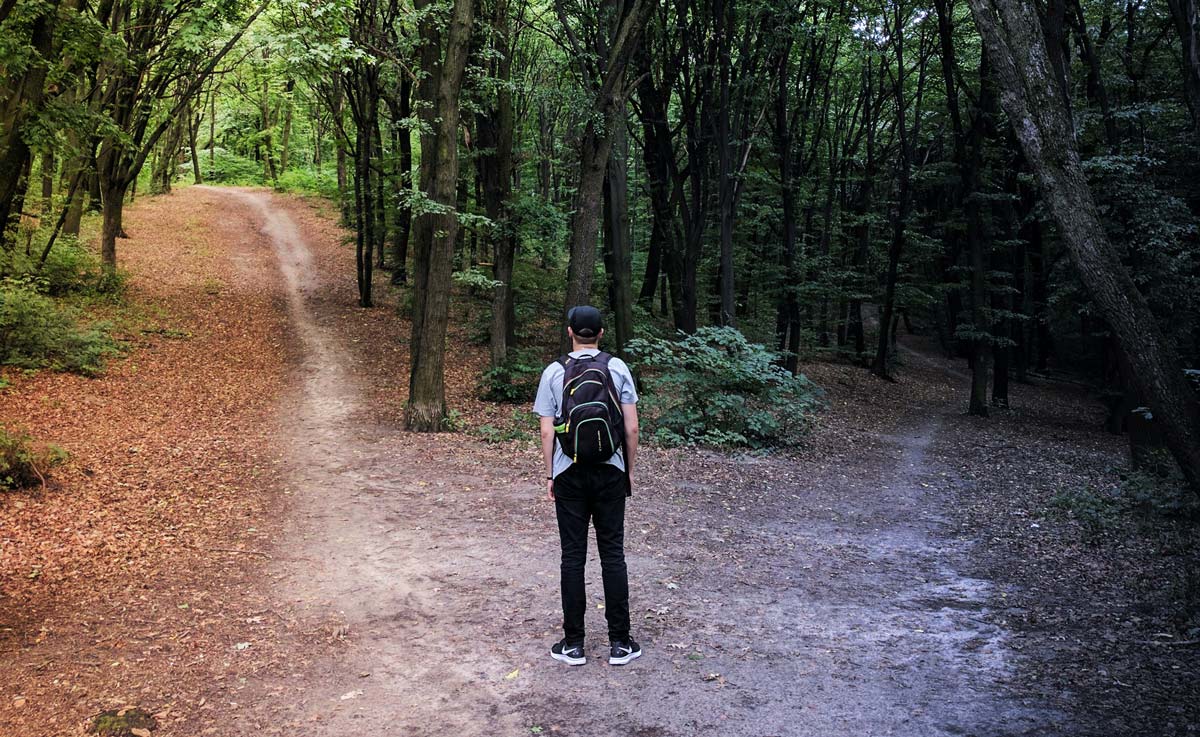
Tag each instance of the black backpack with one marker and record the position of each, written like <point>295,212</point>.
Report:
<point>591,428</point>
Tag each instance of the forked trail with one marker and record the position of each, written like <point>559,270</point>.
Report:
<point>822,596</point>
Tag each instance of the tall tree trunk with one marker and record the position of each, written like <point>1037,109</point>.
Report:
<point>1034,103</point>
<point>23,101</point>
<point>881,365</point>
<point>192,132</point>
<point>606,114</point>
<point>787,317</point>
<point>723,12</point>
<point>658,154</point>
<point>495,165</point>
<point>285,139</point>
<point>49,169</point>
<point>402,135</point>
<point>1186,15</point>
<point>619,256</point>
<point>444,61</point>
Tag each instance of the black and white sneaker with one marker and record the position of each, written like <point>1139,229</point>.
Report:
<point>623,651</point>
<point>569,654</point>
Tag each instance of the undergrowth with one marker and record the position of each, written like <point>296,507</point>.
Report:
<point>24,463</point>
<point>714,387</point>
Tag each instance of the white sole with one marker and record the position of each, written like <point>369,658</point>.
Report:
<point>624,660</point>
<point>567,660</point>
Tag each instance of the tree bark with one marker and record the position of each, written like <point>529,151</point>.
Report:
<point>495,126</point>
<point>1033,101</point>
<point>1186,15</point>
<point>619,256</point>
<point>20,101</point>
<point>444,63</point>
<point>608,93</point>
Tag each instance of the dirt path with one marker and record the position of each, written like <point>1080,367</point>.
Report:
<point>818,596</point>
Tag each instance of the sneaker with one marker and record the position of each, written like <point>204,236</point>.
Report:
<point>569,654</point>
<point>623,651</point>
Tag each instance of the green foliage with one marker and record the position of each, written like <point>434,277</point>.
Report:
<point>1148,495</point>
<point>24,463</point>
<point>226,167</point>
<point>475,279</point>
<point>307,181</point>
<point>1095,510</point>
<point>36,332</point>
<point>1160,495</point>
<point>69,269</point>
<point>514,381</point>
<point>716,388</point>
<point>521,427</point>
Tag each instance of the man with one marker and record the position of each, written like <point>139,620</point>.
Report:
<point>595,490</point>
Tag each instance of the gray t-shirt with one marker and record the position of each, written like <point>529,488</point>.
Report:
<point>549,399</point>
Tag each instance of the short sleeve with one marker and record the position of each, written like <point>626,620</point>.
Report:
<point>623,381</point>
<point>544,404</point>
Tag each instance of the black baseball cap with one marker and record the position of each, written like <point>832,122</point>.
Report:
<point>585,321</point>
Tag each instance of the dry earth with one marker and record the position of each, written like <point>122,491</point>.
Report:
<point>352,579</point>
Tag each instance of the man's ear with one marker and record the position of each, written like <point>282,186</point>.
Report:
<point>599,335</point>
<point>570,333</point>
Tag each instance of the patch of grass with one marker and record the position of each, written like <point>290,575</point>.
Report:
<point>24,463</point>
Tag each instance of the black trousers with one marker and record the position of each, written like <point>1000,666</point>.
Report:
<point>595,492</point>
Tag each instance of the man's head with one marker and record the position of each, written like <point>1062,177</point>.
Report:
<point>584,325</point>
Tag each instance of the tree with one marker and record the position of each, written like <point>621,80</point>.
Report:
<point>612,38</point>
<point>161,44</point>
<point>444,48</point>
<point>1033,100</point>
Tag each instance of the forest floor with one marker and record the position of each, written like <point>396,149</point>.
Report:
<point>245,542</point>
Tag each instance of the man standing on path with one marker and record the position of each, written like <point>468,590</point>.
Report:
<point>596,420</point>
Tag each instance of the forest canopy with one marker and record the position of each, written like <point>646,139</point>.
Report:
<point>1016,180</point>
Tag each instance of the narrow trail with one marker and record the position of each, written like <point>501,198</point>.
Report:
<point>772,597</point>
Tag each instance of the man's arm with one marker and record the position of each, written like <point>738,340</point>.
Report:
<point>547,427</point>
<point>631,437</point>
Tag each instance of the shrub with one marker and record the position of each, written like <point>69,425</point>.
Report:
<point>307,181</point>
<point>226,167</point>
<point>70,268</point>
<point>514,381</point>
<point>23,463</point>
<point>37,333</point>
<point>716,388</point>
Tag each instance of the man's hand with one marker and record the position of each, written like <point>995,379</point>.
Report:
<point>550,489</point>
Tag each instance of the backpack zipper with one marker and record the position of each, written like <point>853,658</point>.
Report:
<point>578,433</point>
<point>573,412</point>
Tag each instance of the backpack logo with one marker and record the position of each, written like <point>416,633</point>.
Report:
<point>591,427</point>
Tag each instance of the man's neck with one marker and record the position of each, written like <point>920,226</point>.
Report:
<point>577,346</point>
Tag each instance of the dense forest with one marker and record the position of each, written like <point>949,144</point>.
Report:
<point>1017,179</point>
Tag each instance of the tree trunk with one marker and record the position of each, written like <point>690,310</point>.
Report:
<point>495,166</point>
<point>1034,103</point>
<point>1186,15</point>
<point>881,365</point>
<point>286,136</point>
<point>436,232</point>
<point>193,132</point>
<point>787,318</point>
<point>619,256</point>
<point>595,146</point>
<point>21,105</point>
<point>112,209</point>
<point>400,107</point>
